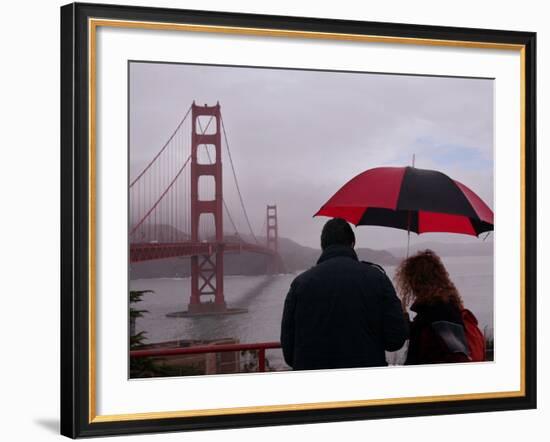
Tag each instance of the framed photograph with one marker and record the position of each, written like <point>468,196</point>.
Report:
<point>273,220</point>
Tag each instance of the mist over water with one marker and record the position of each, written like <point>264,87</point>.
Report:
<point>264,297</point>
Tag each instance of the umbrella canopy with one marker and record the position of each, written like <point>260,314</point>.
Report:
<point>417,200</point>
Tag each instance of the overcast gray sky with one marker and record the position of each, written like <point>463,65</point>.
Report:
<point>297,136</point>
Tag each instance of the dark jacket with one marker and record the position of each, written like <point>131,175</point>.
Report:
<point>341,313</point>
<point>437,335</point>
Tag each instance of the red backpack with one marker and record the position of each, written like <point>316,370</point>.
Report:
<point>474,336</point>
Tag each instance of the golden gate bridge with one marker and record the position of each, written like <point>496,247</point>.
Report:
<point>177,209</point>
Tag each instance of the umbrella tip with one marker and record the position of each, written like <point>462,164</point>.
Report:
<point>317,213</point>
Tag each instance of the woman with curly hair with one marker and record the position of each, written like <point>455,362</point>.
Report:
<point>442,330</point>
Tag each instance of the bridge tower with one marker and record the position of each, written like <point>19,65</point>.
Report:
<point>272,228</point>
<point>272,239</point>
<point>206,270</point>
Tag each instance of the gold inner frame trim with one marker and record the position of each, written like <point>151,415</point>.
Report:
<point>92,28</point>
<point>298,34</point>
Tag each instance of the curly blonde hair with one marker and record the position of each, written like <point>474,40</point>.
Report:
<point>424,279</point>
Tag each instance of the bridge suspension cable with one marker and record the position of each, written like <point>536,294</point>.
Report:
<point>237,182</point>
<point>162,149</point>
<point>264,226</point>
<point>170,185</point>
<point>161,196</point>
<point>231,220</point>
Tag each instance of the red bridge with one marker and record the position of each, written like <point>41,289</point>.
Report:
<point>177,209</point>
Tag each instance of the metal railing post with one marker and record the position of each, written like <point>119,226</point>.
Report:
<point>261,359</point>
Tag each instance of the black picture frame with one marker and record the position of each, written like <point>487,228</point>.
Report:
<point>76,404</point>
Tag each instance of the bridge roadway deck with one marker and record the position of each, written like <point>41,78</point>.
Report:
<point>160,250</point>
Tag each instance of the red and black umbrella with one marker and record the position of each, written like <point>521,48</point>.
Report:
<point>416,200</point>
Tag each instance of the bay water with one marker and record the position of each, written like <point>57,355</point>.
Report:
<point>263,296</point>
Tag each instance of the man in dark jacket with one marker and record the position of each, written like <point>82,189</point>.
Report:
<point>341,313</point>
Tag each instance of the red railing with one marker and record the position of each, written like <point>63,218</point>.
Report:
<point>216,348</point>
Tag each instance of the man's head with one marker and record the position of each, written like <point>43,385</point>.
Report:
<point>337,231</point>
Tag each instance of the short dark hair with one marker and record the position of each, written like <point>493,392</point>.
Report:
<point>337,231</point>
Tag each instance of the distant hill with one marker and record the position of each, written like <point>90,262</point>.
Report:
<point>478,248</point>
<point>298,257</point>
<point>381,257</point>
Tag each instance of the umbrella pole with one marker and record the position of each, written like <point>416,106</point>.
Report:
<point>408,231</point>
<point>408,241</point>
<point>403,305</point>
<point>409,219</point>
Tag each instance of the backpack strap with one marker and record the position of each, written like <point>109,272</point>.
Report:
<point>376,266</point>
<point>453,336</point>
